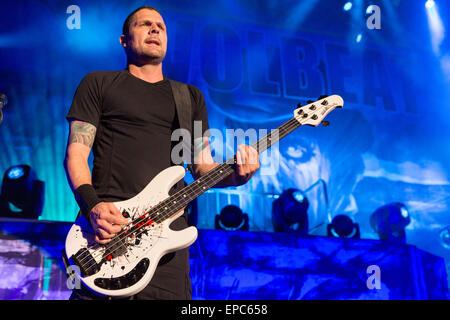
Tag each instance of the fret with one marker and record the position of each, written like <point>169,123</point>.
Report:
<point>182,198</point>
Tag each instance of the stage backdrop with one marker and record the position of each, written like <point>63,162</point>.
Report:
<point>254,61</point>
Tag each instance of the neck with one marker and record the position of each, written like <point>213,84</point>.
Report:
<point>147,72</point>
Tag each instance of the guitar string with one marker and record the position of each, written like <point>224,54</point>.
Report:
<point>181,195</point>
<point>136,223</point>
<point>288,127</point>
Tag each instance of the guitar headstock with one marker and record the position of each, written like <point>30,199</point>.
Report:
<point>313,113</point>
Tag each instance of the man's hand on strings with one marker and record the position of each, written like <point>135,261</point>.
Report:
<point>106,220</point>
<point>247,163</point>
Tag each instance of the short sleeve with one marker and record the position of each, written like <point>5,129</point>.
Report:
<point>87,100</point>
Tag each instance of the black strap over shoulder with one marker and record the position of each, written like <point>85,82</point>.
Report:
<point>183,105</point>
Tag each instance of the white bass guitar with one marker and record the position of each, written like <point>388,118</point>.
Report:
<point>126,264</point>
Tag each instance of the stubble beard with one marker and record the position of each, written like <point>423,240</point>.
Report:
<point>148,56</point>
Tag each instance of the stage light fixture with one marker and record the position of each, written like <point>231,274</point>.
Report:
<point>358,38</point>
<point>390,220</point>
<point>290,212</point>
<point>347,6</point>
<point>342,226</point>
<point>22,194</point>
<point>444,234</point>
<point>231,218</point>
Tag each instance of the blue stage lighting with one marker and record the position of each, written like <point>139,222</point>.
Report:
<point>445,237</point>
<point>429,4</point>
<point>22,194</point>
<point>290,212</point>
<point>342,226</point>
<point>232,218</point>
<point>404,212</point>
<point>437,30</point>
<point>390,220</point>
<point>347,6</point>
<point>15,172</point>
<point>298,196</point>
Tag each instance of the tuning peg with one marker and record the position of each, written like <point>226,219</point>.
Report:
<point>323,97</point>
<point>325,123</point>
<point>299,105</point>
<point>310,101</point>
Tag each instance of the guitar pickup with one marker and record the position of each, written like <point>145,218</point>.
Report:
<point>86,262</point>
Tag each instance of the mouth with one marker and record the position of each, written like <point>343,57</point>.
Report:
<point>152,41</point>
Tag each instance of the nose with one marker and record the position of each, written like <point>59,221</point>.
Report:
<point>153,28</point>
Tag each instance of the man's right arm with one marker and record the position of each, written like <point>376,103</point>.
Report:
<point>105,218</point>
<point>81,139</point>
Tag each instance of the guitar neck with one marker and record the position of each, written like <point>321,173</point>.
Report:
<point>276,135</point>
<point>180,199</point>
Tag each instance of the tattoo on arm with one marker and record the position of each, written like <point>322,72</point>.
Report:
<point>82,132</point>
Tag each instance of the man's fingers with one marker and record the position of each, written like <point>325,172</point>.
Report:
<point>253,157</point>
<point>117,220</point>
<point>240,163</point>
<point>101,241</point>
<point>248,155</point>
<point>107,221</point>
<point>104,234</point>
<point>244,153</point>
<point>113,209</point>
<point>238,157</point>
<point>117,217</point>
<point>108,227</point>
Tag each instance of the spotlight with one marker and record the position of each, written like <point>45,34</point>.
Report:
<point>358,38</point>
<point>429,4</point>
<point>347,6</point>
<point>231,218</point>
<point>22,195</point>
<point>437,29</point>
<point>445,237</point>
<point>343,227</point>
<point>16,172</point>
<point>390,220</point>
<point>289,212</point>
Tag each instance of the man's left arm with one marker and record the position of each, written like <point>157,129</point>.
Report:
<point>247,163</point>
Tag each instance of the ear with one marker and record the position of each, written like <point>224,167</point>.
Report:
<point>123,40</point>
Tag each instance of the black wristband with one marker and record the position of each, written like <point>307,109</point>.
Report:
<point>86,197</point>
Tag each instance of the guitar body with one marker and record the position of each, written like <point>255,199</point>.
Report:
<point>133,261</point>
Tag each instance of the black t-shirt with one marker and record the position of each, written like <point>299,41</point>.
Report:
<point>134,121</point>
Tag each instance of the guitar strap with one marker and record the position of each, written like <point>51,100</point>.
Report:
<point>183,105</point>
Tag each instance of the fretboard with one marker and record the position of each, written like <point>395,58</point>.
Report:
<point>182,198</point>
